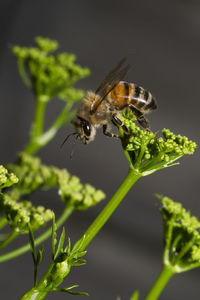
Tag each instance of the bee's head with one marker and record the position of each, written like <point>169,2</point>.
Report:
<point>84,129</point>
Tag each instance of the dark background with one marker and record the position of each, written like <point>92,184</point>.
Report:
<point>161,41</point>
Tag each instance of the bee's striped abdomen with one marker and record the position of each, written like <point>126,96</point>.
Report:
<point>125,93</point>
<point>141,98</point>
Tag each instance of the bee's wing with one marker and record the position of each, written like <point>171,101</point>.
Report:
<point>109,76</point>
<point>109,82</point>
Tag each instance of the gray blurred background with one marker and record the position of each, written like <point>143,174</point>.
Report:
<point>162,42</point>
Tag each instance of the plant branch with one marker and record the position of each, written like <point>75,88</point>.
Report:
<point>37,127</point>
<point>114,202</point>
<point>37,142</point>
<point>9,239</point>
<point>160,283</point>
<point>65,215</point>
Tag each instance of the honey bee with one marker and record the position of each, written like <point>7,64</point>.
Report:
<point>110,99</point>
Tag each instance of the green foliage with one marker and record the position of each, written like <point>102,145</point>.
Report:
<point>181,236</point>
<point>63,258</point>
<point>49,75</point>
<point>37,257</point>
<point>34,175</point>
<point>148,153</point>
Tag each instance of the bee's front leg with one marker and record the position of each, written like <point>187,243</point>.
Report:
<point>106,131</point>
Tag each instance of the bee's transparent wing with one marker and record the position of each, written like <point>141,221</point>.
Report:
<point>109,76</point>
<point>109,82</point>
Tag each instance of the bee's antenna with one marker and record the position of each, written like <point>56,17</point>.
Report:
<point>67,138</point>
<point>72,152</point>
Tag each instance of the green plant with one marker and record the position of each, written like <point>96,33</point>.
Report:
<point>51,76</point>
<point>181,243</point>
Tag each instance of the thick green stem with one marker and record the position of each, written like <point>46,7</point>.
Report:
<point>67,212</point>
<point>38,122</point>
<point>108,210</point>
<point>37,125</point>
<point>160,283</point>
<point>34,294</point>
<point>38,292</point>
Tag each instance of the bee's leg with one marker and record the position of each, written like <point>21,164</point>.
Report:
<point>140,118</point>
<point>118,122</point>
<point>108,133</point>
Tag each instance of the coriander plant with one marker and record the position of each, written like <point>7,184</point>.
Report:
<point>49,75</point>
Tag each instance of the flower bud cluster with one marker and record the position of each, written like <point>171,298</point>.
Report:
<point>182,235</point>
<point>149,153</point>
<point>22,214</point>
<point>49,75</point>
<point>7,179</point>
<point>77,194</point>
<point>34,175</point>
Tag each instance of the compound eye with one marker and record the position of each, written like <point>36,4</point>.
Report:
<point>87,129</point>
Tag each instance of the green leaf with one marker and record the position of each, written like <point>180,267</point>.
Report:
<point>78,244</point>
<point>81,253</point>
<point>68,290</point>
<point>60,243</point>
<point>77,264</point>
<point>39,256</point>
<point>68,246</point>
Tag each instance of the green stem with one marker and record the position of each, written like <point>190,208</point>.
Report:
<point>38,122</point>
<point>34,294</point>
<point>140,156</point>
<point>9,239</point>
<point>185,249</point>
<point>23,73</point>
<point>37,125</point>
<point>168,239</point>
<point>67,212</point>
<point>160,283</point>
<point>40,141</point>
<point>3,222</point>
<point>108,210</point>
<point>39,292</point>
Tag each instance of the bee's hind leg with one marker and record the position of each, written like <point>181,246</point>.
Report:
<point>144,123</point>
<point>116,121</point>
<point>106,131</point>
